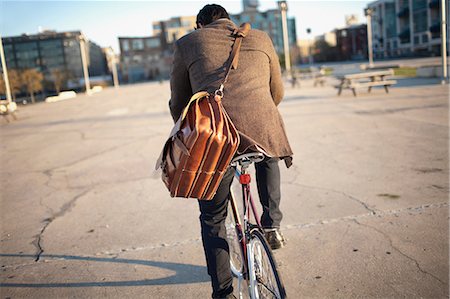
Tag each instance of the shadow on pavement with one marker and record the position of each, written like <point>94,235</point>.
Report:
<point>416,82</point>
<point>75,120</point>
<point>184,273</point>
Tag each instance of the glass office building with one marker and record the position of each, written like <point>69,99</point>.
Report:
<point>53,50</point>
<point>268,21</point>
<point>405,28</point>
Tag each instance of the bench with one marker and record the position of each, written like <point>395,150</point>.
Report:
<point>366,80</point>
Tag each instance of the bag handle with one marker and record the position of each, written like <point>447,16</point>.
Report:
<point>239,34</point>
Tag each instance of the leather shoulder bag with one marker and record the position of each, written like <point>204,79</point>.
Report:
<point>203,141</point>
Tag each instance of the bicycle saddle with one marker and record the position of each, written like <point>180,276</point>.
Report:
<point>248,158</point>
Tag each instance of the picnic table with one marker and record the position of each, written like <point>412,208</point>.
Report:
<point>366,80</point>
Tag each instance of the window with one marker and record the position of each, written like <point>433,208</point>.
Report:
<point>9,55</point>
<point>137,44</point>
<point>27,55</point>
<point>52,53</point>
<point>125,46</point>
<point>391,21</point>
<point>419,4</point>
<point>187,23</point>
<point>420,20</point>
<point>425,38</point>
<point>152,42</point>
<point>137,58</point>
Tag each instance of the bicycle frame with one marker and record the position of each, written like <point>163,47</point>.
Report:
<point>243,229</point>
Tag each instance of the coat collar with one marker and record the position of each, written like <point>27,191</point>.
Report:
<point>222,23</point>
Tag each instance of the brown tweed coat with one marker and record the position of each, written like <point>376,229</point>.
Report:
<point>252,92</point>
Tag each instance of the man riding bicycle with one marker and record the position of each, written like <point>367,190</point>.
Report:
<point>253,92</point>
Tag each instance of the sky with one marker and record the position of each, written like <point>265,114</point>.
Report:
<point>103,21</point>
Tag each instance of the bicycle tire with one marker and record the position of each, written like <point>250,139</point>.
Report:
<point>236,257</point>
<point>264,279</point>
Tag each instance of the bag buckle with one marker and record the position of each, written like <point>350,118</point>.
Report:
<point>219,92</point>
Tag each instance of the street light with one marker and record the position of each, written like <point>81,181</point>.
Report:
<point>282,5</point>
<point>5,72</point>
<point>82,40</point>
<point>444,41</point>
<point>112,62</point>
<point>368,13</point>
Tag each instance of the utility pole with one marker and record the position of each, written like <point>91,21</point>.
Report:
<point>310,43</point>
<point>114,71</point>
<point>287,58</point>
<point>368,12</point>
<point>112,64</point>
<point>82,40</point>
<point>5,72</point>
<point>444,42</point>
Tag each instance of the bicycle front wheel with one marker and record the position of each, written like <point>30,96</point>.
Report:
<point>264,279</point>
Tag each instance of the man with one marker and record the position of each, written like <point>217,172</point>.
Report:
<point>251,95</point>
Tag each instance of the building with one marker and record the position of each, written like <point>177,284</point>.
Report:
<point>147,58</point>
<point>351,42</point>
<point>174,28</point>
<point>405,27</point>
<point>304,46</point>
<point>268,21</point>
<point>144,58</point>
<point>150,58</point>
<point>328,37</point>
<point>51,50</point>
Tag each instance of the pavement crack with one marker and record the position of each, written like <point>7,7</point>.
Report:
<point>91,156</point>
<point>64,209</point>
<point>38,240</point>
<point>399,251</point>
<point>359,201</point>
<point>117,252</point>
<point>408,210</point>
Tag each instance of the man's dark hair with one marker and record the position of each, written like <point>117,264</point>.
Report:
<point>210,13</point>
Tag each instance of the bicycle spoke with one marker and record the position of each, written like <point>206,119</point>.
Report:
<point>266,282</point>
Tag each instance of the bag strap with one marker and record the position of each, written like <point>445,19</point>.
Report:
<point>239,34</point>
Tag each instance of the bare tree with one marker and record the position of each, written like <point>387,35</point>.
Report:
<point>15,82</point>
<point>2,86</point>
<point>59,79</point>
<point>32,79</point>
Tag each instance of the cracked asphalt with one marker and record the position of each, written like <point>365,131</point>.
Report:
<point>366,213</point>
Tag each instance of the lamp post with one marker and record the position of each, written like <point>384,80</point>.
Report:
<point>5,72</point>
<point>112,62</point>
<point>82,40</point>
<point>444,41</point>
<point>368,13</point>
<point>282,5</point>
<point>114,72</point>
<point>310,42</point>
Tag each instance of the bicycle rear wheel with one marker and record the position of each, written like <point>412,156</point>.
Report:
<point>264,279</point>
<point>236,257</point>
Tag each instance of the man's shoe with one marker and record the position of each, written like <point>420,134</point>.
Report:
<point>275,238</point>
<point>229,296</point>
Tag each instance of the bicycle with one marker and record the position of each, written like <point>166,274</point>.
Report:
<point>251,258</point>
